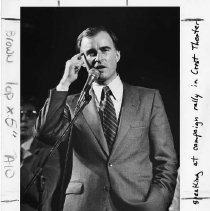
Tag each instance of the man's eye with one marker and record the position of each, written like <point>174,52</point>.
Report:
<point>105,49</point>
<point>91,54</point>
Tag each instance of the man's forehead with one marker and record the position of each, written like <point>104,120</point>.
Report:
<point>101,39</point>
<point>27,107</point>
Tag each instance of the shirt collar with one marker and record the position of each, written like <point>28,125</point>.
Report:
<point>115,86</point>
<point>27,144</point>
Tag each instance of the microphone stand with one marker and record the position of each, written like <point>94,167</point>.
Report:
<point>38,172</point>
<point>41,185</point>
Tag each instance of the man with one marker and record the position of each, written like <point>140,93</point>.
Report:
<point>122,155</point>
<point>33,154</point>
<point>175,205</point>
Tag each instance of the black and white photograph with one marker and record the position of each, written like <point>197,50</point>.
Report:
<point>104,105</point>
<point>103,84</point>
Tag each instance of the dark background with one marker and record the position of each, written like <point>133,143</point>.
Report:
<point>149,42</point>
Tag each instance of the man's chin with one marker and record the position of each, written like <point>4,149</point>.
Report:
<point>24,137</point>
<point>101,80</point>
<point>105,79</point>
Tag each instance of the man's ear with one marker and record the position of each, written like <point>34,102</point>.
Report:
<point>118,55</point>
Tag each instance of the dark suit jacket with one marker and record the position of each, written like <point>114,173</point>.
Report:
<point>139,174</point>
<point>51,172</point>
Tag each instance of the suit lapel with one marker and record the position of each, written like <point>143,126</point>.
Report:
<point>92,117</point>
<point>93,120</point>
<point>130,104</point>
<point>34,145</point>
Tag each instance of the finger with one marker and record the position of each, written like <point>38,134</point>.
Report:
<point>77,61</point>
<point>79,56</point>
<point>77,68</point>
<point>85,61</point>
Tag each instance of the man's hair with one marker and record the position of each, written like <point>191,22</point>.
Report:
<point>29,100</point>
<point>93,31</point>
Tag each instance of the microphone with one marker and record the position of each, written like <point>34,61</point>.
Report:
<point>92,76</point>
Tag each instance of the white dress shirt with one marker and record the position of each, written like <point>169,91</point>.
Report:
<point>27,144</point>
<point>25,148</point>
<point>116,87</point>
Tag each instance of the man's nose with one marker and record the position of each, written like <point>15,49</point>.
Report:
<point>97,59</point>
<point>24,117</point>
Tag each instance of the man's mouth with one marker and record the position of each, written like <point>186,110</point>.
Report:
<point>24,128</point>
<point>99,67</point>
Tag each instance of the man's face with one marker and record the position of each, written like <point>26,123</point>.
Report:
<point>28,118</point>
<point>100,50</point>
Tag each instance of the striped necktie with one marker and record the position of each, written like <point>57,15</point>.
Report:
<point>108,117</point>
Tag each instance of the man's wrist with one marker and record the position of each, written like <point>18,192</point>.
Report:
<point>62,87</point>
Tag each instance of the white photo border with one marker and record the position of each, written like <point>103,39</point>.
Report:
<point>194,96</point>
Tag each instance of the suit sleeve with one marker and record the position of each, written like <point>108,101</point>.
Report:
<point>51,173</point>
<point>53,118</point>
<point>163,153</point>
<point>175,205</point>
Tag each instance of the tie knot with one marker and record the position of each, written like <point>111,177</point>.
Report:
<point>107,91</point>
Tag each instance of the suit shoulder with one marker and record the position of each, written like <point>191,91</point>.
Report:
<point>41,146</point>
<point>142,90</point>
